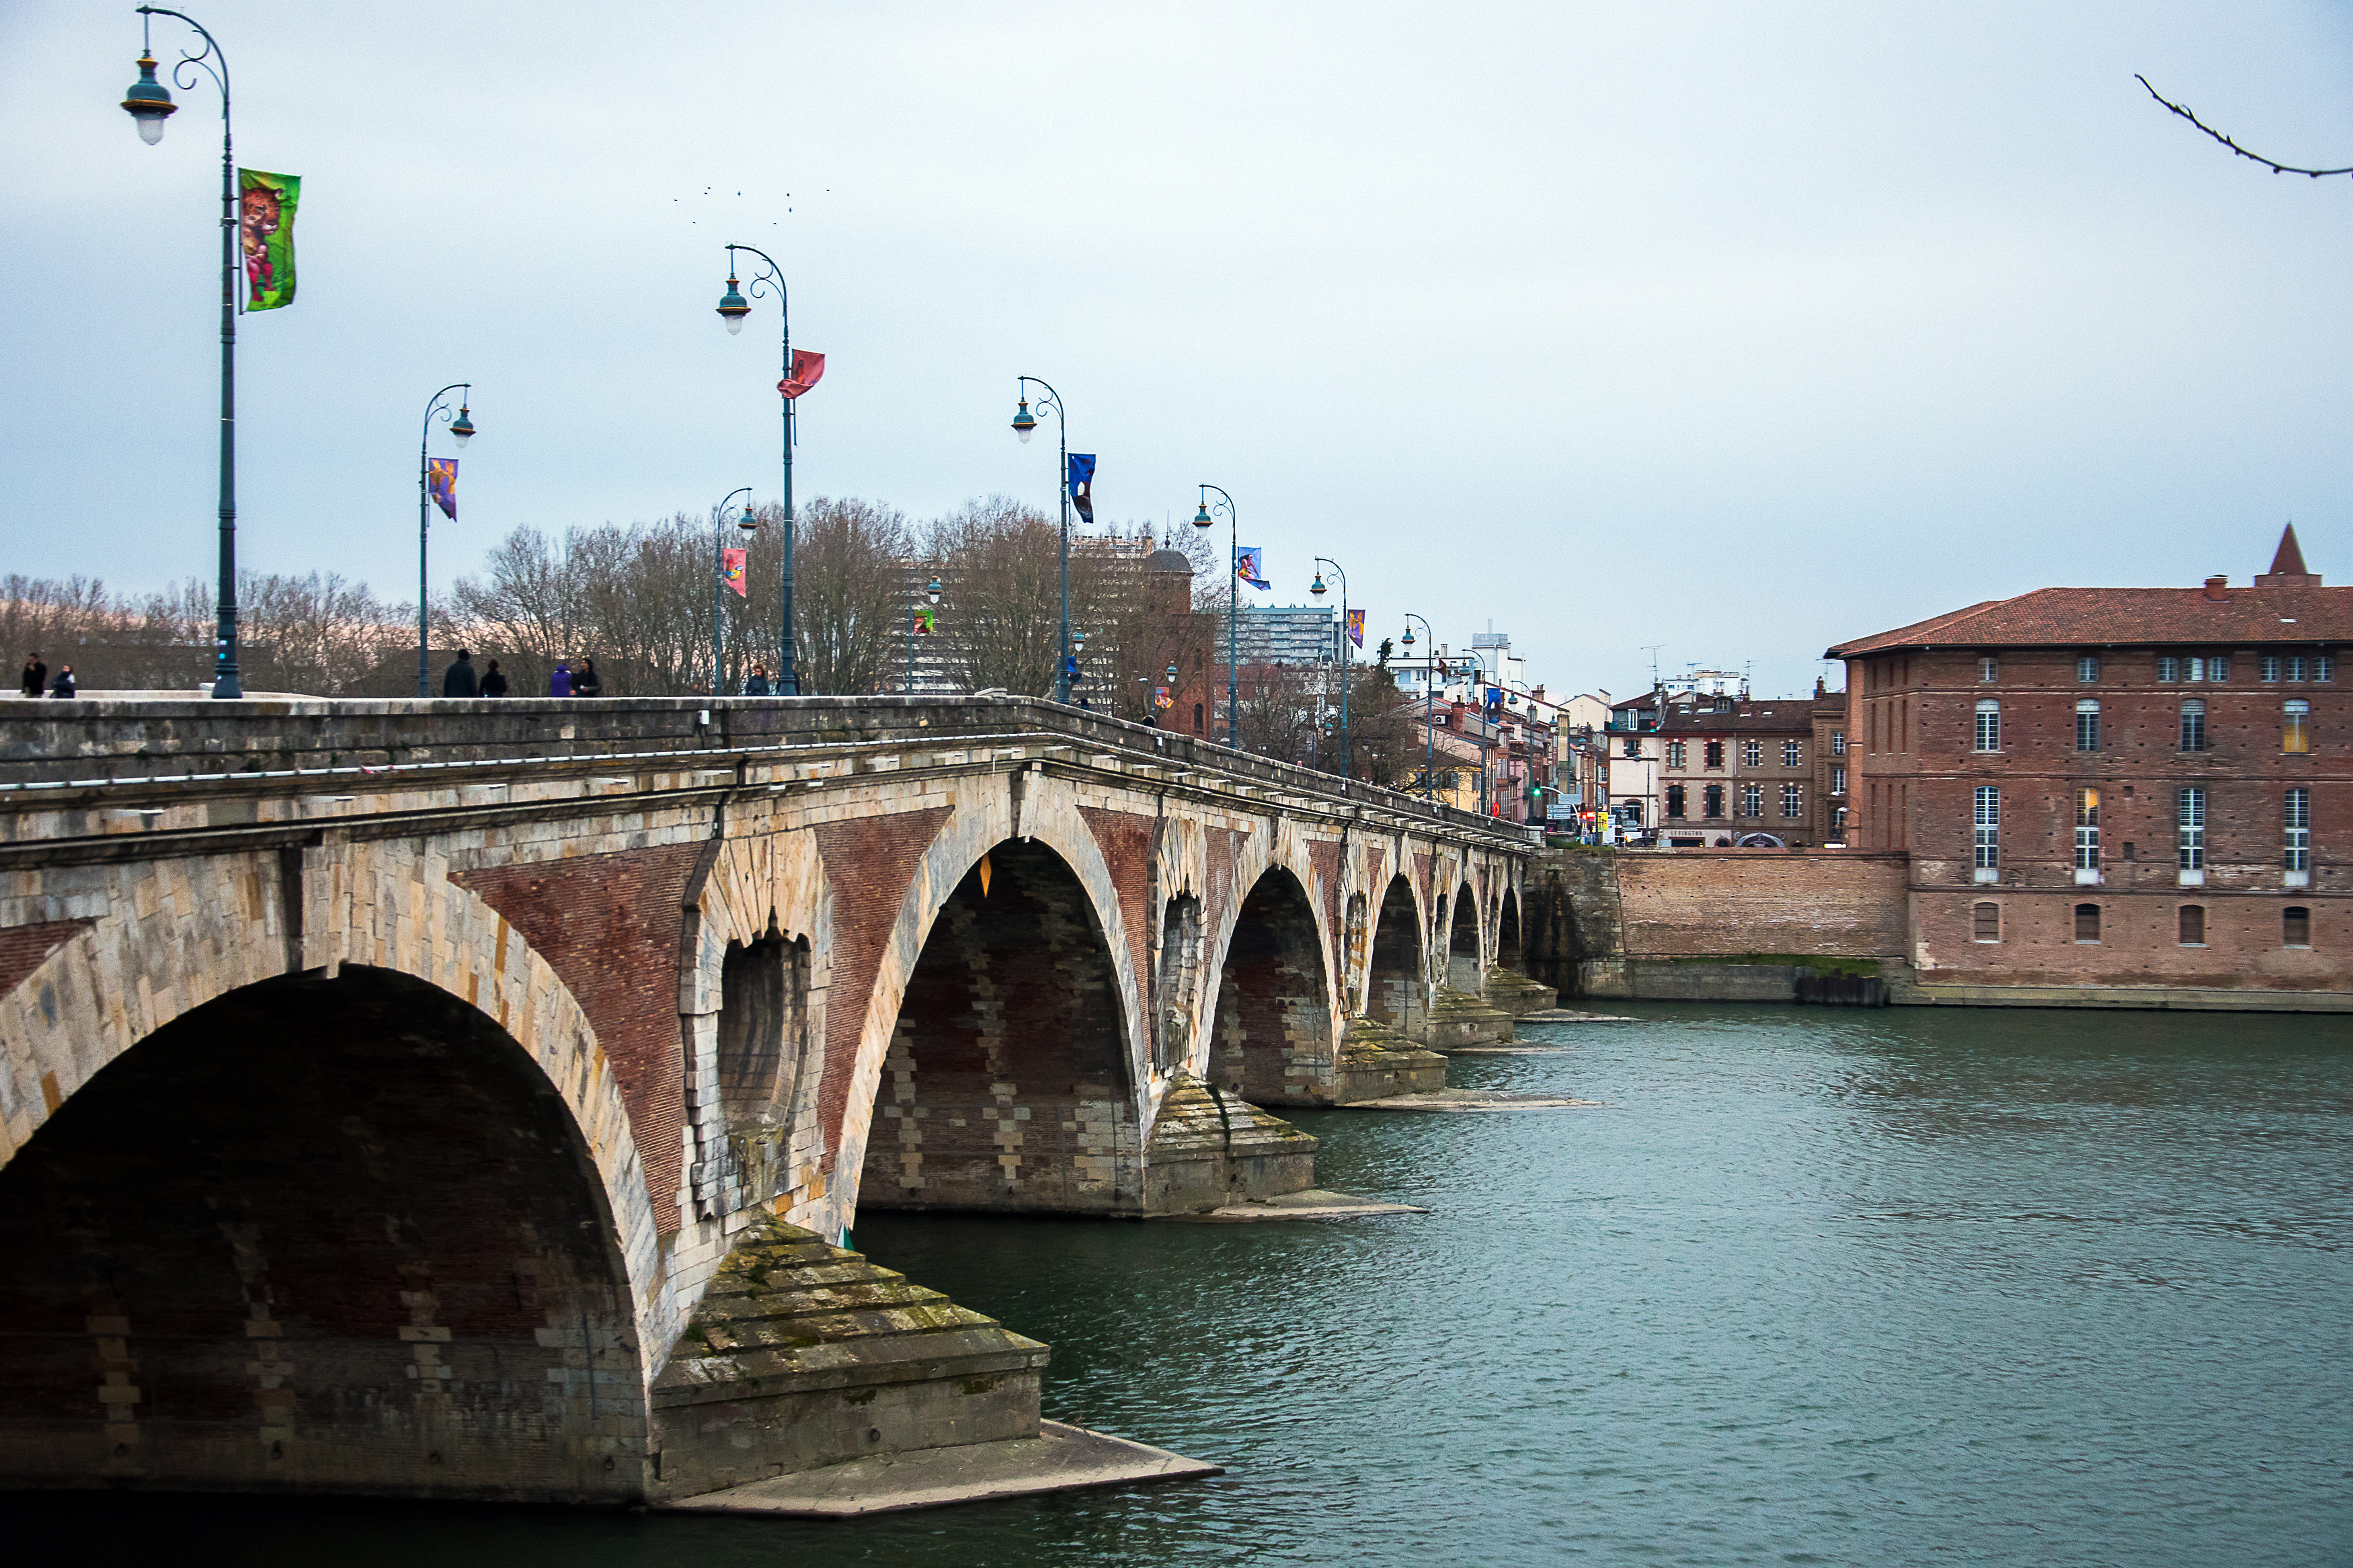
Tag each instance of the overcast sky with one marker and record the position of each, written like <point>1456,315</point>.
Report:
<point>1740,328</point>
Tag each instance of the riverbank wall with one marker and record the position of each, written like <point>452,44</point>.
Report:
<point>1770,925</point>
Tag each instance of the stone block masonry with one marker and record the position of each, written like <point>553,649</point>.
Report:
<point>592,998</point>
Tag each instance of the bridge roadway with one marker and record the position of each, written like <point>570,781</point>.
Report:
<point>475,1098</point>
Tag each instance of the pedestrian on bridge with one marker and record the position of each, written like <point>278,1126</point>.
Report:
<point>459,679</point>
<point>494,680</point>
<point>37,676</point>
<point>63,686</point>
<point>585,681</point>
<point>756,683</point>
<point>560,683</point>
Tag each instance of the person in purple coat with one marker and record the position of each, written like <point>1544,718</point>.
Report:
<point>560,683</point>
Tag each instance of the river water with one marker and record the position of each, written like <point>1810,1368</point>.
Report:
<point>1815,1285</point>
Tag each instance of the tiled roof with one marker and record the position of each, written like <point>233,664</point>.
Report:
<point>2090,617</point>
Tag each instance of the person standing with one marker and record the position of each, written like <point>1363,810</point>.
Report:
<point>37,676</point>
<point>459,680</point>
<point>756,683</point>
<point>494,680</point>
<point>586,682</point>
<point>63,686</point>
<point>560,683</point>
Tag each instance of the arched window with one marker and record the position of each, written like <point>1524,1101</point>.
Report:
<point>1985,923</point>
<point>1675,801</point>
<point>1989,724</point>
<point>2087,725</point>
<point>2193,725</point>
<point>2087,835</point>
<point>2296,726</point>
<point>2087,923</point>
<point>2295,926</point>
<point>2190,818</point>
<point>1986,825</point>
<point>2193,925</point>
<point>1196,719</point>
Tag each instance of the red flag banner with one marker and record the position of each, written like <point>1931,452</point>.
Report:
<point>808,368</point>
<point>731,571</point>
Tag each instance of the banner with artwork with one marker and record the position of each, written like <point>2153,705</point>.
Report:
<point>926,620</point>
<point>1356,627</point>
<point>1246,565</point>
<point>441,483</point>
<point>1081,478</point>
<point>808,368</point>
<point>731,570</point>
<point>265,232</point>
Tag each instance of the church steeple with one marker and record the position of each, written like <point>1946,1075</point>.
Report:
<point>2287,565</point>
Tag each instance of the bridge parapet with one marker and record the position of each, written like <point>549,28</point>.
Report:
<point>109,748</point>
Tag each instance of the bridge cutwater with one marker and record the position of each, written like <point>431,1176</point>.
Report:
<point>476,1099</point>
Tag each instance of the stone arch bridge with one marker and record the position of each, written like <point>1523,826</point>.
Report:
<point>475,1098</point>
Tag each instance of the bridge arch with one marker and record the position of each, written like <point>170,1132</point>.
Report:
<point>412,1159</point>
<point>1062,894</point>
<point>1465,970</point>
<point>1271,1038</point>
<point>1397,981</point>
<point>1507,930</point>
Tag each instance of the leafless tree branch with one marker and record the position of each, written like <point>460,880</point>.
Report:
<point>2233,146</point>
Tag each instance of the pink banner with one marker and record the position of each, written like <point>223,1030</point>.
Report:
<point>808,368</point>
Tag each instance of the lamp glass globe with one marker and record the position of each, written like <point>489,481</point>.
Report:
<point>151,128</point>
<point>734,325</point>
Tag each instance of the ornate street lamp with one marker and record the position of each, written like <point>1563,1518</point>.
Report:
<point>461,430</point>
<point>1428,740</point>
<point>732,309</point>
<point>1347,757</point>
<point>748,525</point>
<point>931,590</point>
<point>1024,425</point>
<point>150,105</point>
<point>1202,519</point>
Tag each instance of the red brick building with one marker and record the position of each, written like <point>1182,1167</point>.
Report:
<point>2116,787</point>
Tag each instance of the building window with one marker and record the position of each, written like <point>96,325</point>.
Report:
<point>2087,667</point>
<point>2269,668</point>
<point>2193,925</point>
<point>2218,669</point>
<point>2193,725</point>
<point>2193,669</point>
<point>1196,719</point>
<point>1989,725</point>
<point>2324,668</point>
<point>2169,668</point>
<point>1793,755</point>
<point>2087,830</point>
<point>1751,753</point>
<point>1987,819</point>
<point>1793,801</point>
<point>2295,666</point>
<point>2295,926</point>
<point>1985,923</point>
<point>1838,743</point>
<point>1751,800</point>
<point>1716,754</point>
<point>1675,800</point>
<point>2296,726</point>
<point>1988,671</point>
<point>2190,817</point>
<point>1838,780</point>
<point>1714,801</point>
<point>2299,829</point>
<point>2087,923</point>
<point>1838,822</point>
<point>1675,753</point>
<point>1634,746</point>
<point>2087,725</point>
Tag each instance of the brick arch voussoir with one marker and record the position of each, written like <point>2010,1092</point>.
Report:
<point>130,972</point>
<point>983,819</point>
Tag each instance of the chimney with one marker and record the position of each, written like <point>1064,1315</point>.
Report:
<point>2218,589</point>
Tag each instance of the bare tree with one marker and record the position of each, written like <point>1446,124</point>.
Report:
<point>2252,157</point>
<point>851,562</point>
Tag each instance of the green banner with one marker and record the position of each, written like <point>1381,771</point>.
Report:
<point>265,229</point>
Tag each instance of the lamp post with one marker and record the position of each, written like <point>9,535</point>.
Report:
<point>1202,519</point>
<point>1347,758</point>
<point>1428,684</point>
<point>461,430</point>
<point>932,589</point>
<point>748,524</point>
<point>149,104</point>
<point>732,309</point>
<point>1024,425</point>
